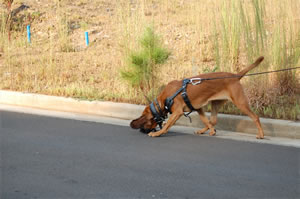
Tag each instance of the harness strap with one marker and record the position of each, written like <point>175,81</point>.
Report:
<point>158,107</point>
<point>157,115</point>
<point>187,101</point>
<point>170,100</point>
<point>154,112</point>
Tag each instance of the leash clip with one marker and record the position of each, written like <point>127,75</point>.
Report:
<point>195,81</point>
<point>187,115</point>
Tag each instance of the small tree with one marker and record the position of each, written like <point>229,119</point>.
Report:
<point>143,64</point>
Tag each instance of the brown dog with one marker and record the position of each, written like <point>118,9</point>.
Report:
<point>216,88</point>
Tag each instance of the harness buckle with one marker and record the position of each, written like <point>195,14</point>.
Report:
<point>195,81</point>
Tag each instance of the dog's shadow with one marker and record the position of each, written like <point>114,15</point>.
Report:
<point>171,134</point>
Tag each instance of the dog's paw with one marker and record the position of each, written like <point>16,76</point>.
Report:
<point>259,137</point>
<point>152,134</point>
<point>156,134</point>
<point>202,131</point>
<point>213,132</point>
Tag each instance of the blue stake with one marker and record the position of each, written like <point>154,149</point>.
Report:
<point>28,33</point>
<point>87,38</point>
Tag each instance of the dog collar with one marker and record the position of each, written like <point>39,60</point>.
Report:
<point>158,115</point>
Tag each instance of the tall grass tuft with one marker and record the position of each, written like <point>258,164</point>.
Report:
<point>237,25</point>
<point>3,30</point>
<point>8,20</point>
<point>242,34</point>
<point>65,43</point>
<point>285,53</point>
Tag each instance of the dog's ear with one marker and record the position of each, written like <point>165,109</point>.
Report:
<point>138,123</point>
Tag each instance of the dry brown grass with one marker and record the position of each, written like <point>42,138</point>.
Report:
<point>58,62</point>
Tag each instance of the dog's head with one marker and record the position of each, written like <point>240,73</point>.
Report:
<point>145,122</point>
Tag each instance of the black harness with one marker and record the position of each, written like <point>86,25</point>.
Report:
<point>159,116</point>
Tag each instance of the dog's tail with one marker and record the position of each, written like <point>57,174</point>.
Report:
<point>246,70</point>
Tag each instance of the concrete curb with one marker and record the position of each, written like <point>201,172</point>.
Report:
<point>275,128</point>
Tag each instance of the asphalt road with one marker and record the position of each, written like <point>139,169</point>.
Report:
<point>55,158</point>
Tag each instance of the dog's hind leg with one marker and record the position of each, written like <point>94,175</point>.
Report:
<point>206,122</point>
<point>246,109</point>
<point>241,101</point>
<point>215,106</point>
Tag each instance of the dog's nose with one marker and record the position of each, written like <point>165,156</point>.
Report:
<point>131,124</point>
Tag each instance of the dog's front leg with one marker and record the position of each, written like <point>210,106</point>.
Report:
<point>174,117</point>
<point>207,124</point>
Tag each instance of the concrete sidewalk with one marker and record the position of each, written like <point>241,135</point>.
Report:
<point>242,124</point>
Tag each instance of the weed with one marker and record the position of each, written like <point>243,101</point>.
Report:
<point>63,31</point>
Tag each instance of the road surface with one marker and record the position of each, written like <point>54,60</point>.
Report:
<point>44,157</point>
